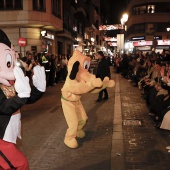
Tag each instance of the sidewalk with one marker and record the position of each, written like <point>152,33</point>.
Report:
<point>119,133</point>
<point>144,145</point>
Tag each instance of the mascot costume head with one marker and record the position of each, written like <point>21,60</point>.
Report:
<point>8,59</point>
<point>15,91</point>
<point>79,81</point>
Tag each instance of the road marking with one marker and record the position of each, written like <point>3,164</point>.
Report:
<point>117,152</point>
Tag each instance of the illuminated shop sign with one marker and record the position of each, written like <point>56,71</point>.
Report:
<point>163,42</point>
<point>144,48</point>
<point>142,43</point>
<point>113,44</point>
<point>137,38</point>
<point>158,37</point>
<point>148,38</point>
<point>111,27</point>
<point>45,34</point>
<point>110,38</point>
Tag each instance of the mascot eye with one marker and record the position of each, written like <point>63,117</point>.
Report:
<point>8,60</point>
<point>86,65</point>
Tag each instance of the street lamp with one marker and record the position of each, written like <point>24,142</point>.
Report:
<point>124,20</point>
<point>120,37</point>
<point>92,39</point>
<point>168,30</point>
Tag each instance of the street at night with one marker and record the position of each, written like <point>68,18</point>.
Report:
<point>85,85</point>
<point>115,140</point>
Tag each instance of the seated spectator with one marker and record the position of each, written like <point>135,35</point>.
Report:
<point>154,78</point>
<point>135,75</point>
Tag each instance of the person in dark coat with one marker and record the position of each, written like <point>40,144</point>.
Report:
<point>103,70</point>
<point>124,65</point>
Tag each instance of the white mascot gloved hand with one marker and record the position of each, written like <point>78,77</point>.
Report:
<point>21,85</point>
<point>39,79</point>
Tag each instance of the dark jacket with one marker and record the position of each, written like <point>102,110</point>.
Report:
<point>103,69</point>
<point>11,105</point>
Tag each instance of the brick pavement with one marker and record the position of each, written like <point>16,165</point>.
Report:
<point>144,145</point>
<point>108,145</point>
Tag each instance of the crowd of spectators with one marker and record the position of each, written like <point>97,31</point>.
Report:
<point>150,72</point>
<point>55,66</point>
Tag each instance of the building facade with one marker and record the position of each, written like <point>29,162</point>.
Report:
<point>148,23</point>
<point>51,25</point>
<point>31,24</point>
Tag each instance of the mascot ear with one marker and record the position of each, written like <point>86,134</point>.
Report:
<point>74,70</point>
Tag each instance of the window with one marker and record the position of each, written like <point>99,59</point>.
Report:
<point>162,27</point>
<point>139,28</point>
<point>60,47</point>
<point>140,10</point>
<point>39,5</point>
<point>80,28</point>
<point>150,29</point>
<point>68,49</point>
<point>1,5</point>
<point>56,8</point>
<point>18,4</point>
<point>11,5</point>
<point>97,39</point>
<point>151,9</point>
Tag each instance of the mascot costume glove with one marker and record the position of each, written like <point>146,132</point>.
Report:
<point>22,85</point>
<point>106,83</point>
<point>39,79</point>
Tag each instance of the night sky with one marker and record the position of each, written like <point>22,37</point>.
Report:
<point>116,8</point>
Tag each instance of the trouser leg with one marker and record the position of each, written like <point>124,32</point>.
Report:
<point>105,93</point>
<point>100,95</point>
<point>15,157</point>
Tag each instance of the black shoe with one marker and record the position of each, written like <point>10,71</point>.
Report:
<point>158,125</point>
<point>98,100</point>
<point>105,98</point>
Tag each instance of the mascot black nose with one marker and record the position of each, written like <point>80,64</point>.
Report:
<point>4,39</point>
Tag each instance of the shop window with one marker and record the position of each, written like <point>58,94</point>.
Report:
<point>151,9</point>
<point>11,5</point>
<point>39,5</point>
<point>34,49</point>
<point>56,8</point>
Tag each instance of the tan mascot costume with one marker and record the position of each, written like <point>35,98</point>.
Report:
<point>79,81</point>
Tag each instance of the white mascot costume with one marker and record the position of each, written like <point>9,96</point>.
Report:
<point>15,91</point>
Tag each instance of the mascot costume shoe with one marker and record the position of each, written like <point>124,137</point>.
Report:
<point>79,81</point>
<point>15,91</point>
